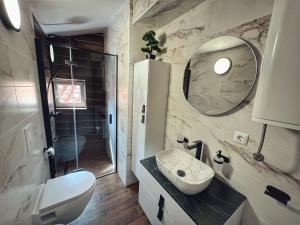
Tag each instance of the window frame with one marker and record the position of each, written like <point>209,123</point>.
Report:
<point>81,83</point>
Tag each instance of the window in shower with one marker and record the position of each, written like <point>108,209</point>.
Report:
<point>70,93</point>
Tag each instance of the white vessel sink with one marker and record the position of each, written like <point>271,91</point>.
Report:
<point>187,173</point>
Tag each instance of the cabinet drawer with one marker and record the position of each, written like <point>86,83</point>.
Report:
<point>171,208</point>
<point>151,207</point>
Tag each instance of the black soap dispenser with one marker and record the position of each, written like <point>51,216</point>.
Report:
<point>219,160</point>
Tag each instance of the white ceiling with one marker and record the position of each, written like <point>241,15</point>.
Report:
<point>87,16</point>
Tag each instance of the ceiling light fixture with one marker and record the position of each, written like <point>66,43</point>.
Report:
<point>222,66</point>
<point>11,14</point>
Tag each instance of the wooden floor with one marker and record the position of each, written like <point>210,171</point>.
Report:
<point>93,159</point>
<point>113,204</point>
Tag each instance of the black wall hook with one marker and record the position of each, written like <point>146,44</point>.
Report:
<point>277,194</point>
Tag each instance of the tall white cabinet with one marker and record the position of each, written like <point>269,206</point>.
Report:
<point>150,98</point>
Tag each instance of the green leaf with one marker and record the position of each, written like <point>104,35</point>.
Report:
<point>146,49</point>
<point>152,44</point>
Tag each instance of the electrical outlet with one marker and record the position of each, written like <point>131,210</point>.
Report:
<point>241,138</point>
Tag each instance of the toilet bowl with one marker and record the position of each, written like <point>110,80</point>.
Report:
<point>63,199</point>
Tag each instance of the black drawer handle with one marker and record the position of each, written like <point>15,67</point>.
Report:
<point>143,119</point>
<point>143,109</point>
<point>160,214</point>
<point>161,203</point>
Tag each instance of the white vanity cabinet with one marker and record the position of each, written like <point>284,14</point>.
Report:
<point>150,193</point>
<point>150,96</point>
<point>197,210</point>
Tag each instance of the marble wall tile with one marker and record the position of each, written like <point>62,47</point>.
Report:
<point>24,69</point>
<point>122,159</point>
<point>12,152</point>
<point>20,193</point>
<point>23,41</point>
<point>139,7</point>
<point>225,14</point>
<point>120,38</point>
<point>6,78</point>
<point>28,101</point>
<point>9,114</point>
<point>3,34</point>
<point>130,178</point>
<point>163,12</point>
<point>36,123</point>
<point>117,42</point>
<point>19,171</point>
<point>136,42</point>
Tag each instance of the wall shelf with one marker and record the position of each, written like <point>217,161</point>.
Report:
<point>154,14</point>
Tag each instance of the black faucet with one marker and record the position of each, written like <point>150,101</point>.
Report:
<point>198,145</point>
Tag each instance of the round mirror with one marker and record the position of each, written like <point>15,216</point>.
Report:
<point>220,75</point>
<point>10,14</point>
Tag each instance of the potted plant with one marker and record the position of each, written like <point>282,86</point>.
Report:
<point>152,47</point>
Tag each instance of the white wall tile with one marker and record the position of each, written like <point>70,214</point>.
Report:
<point>6,78</point>
<point>24,69</point>
<point>9,115</point>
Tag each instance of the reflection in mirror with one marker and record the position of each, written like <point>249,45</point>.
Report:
<point>220,75</point>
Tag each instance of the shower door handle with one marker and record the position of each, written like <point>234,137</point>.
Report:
<point>110,118</point>
<point>55,114</point>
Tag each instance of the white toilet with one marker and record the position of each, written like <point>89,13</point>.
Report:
<point>63,199</point>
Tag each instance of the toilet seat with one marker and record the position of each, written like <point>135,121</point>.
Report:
<point>66,188</point>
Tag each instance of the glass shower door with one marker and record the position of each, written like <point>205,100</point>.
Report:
<point>85,92</point>
<point>96,121</point>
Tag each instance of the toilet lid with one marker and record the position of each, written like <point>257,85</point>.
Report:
<point>61,190</point>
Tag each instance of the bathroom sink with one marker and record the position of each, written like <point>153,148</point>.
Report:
<point>187,173</point>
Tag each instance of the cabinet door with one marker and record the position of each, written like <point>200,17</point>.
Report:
<point>151,207</point>
<point>139,115</point>
<point>140,89</point>
<point>171,208</point>
<point>138,142</point>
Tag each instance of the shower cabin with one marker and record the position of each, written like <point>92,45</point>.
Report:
<point>78,89</point>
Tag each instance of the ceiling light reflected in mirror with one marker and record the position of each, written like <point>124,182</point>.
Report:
<point>222,66</point>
